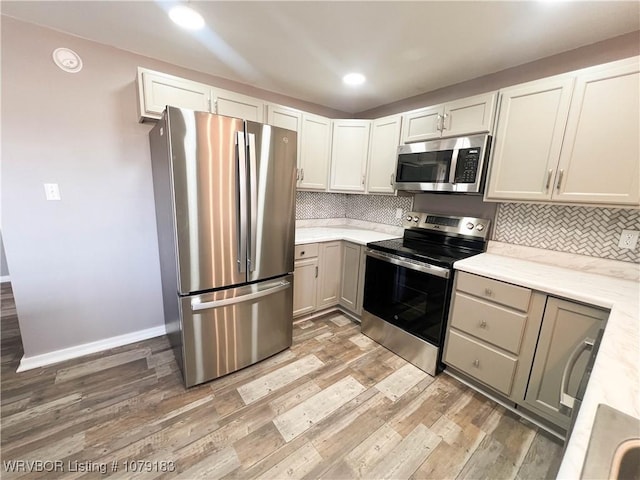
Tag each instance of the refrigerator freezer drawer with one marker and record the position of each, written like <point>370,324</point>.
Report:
<point>230,329</point>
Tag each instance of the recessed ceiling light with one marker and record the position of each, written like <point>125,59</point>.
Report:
<point>354,79</point>
<point>186,17</point>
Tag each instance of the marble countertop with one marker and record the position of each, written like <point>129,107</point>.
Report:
<point>615,380</point>
<point>331,233</point>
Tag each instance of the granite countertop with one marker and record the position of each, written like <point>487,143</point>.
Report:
<point>330,233</point>
<point>615,380</point>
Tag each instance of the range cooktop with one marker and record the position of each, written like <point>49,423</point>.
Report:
<point>437,239</point>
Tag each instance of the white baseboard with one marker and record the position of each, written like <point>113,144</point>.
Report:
<point>35,361</point>
<point>5,279</point>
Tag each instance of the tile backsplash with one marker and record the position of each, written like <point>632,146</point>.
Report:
<point>583,230</point>
<point>372,208</point>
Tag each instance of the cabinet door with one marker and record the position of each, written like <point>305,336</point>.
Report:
<point>566,326</point>
<point>349,286</point>
<point>315,151</point>
<point>349,152</point>
<point>236,105</point>
<point>383,154</point>
<point>423,124</point>
<point>329,259</point>
<point>157,90</point>
<point>289,118</point>
<point>601,148</point>
<point>528,140</point>
<point>469,115</point>
<point>305,279</point>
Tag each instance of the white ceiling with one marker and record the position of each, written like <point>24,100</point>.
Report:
<point>302,49</point>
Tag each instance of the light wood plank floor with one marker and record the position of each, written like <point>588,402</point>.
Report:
<point>336,405</point>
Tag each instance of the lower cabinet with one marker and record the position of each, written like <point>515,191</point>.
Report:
<point>352,282</point>
<point>566,338</point>
<point>329,261</point>
<point>305,279</point>
<point>525,346</point>
<point>327,274</point>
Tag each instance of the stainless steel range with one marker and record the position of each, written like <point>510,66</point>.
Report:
<point>408,284</point>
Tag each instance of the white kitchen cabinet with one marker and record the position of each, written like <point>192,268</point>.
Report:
<point>305,278</point>
<point>349,154</point>
<point>305,281</point>
<point>461,117</point>
<point>570,139</point>
<point>383,154</point>
<point>329,266</point>
<point>289,118</point>
<point>157,90</point>
<point>492,332</point>
<point>236,105</point>
<point>600,157</point>
<point>315,152</point>
<point>422,124</point>
<point>352,278</point>
<point>568,332</point>
<point>528,139</point>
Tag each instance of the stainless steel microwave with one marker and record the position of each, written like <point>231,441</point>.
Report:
<point>454,165</point>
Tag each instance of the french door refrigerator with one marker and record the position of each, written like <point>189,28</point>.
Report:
<point>225,211</point>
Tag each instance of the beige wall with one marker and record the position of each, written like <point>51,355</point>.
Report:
<point>616,48</point>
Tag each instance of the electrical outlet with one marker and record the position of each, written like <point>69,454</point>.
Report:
<point>51,191</point>
<point>628,239</point>
<point>398,213</point>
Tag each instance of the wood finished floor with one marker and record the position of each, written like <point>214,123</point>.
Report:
<point>336,405</point>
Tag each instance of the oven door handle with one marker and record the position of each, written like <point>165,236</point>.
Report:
<point>420,267</point>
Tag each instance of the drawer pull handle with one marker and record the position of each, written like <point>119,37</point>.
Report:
<point>488,292</point>
<point>483,324</point>
<point>302,252</point>
<point>476,363</point>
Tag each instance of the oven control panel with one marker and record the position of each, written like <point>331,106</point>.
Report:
<point>468,226</point>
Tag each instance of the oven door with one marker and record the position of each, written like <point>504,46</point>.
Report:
<point>409,295</point>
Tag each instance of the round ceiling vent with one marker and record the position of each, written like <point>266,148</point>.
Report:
<point>67,60</point>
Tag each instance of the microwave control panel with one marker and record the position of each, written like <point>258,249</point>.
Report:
<point>467,166</point>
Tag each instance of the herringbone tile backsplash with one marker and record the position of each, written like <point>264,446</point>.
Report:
<point>371,208</point>
<point>582,230</point>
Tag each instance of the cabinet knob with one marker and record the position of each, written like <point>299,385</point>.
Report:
<point>488,292</point>
<point>476,363</point>
<point>302,252</point>
<point>483,324</point>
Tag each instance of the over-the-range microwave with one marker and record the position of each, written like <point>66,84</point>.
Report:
<point>453,165</point>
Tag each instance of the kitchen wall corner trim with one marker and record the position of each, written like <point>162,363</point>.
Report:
<point>45,359</point>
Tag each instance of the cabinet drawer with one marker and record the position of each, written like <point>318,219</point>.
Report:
<point>306,251</point>
<point>480,361</point>
<point>490,322</point>
<point>494,290</point>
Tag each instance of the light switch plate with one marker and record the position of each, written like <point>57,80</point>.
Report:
<point>398,213</point>
<point>52,191</point>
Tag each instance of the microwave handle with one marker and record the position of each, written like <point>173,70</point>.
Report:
<point>454,166</point>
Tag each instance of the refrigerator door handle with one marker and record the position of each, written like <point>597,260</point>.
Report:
<point>253,182</point>
<point>241,211</point>
<point>279,286</point>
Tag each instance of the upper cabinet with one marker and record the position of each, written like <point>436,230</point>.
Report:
<point>233,104</point>
<point>315,152</point>
<point>349,154</point>
<point>383,154</point>
<point>570,139</point>
<point>289,118</point>
<point>157,90</point>
<point>600,157</point>
<point>461,117</point>
<point>528,138</point>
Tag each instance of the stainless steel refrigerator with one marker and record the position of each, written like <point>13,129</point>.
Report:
<point>225,210</point>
